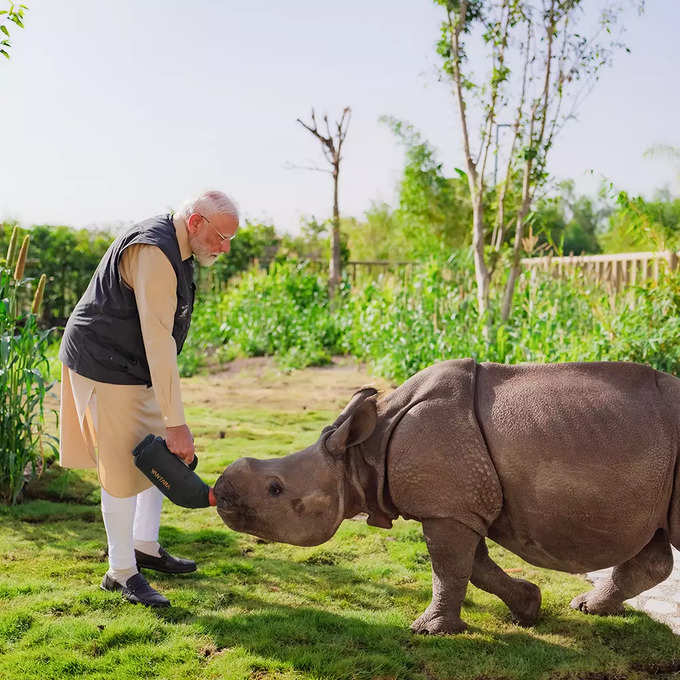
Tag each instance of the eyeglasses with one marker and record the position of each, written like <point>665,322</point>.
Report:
<point>221,235</point>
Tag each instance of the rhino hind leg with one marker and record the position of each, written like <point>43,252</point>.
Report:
<point>452,547</point>
<point>522,597</point>
<point>652,565</point>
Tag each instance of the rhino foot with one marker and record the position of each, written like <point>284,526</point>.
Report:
<point>436,624</point>
<point>593,602</point>
<point>525,608</point>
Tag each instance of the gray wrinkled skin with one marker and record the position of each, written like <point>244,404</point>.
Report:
<point>570,466</point>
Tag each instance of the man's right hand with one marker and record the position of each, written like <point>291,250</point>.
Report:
<point>180,441</point>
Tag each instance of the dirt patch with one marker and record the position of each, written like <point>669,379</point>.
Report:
<point>258,381</point>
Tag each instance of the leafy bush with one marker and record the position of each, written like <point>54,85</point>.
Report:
<point>638,224</point>
<point>403,325</point>
<point>284,311</point>
<point>23,367</point>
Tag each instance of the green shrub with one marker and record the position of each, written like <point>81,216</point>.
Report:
<point>283,312</point>
<point>23,370</point>
<point>401,325</point>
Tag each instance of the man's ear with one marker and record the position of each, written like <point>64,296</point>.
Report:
<point>358,427</point>
<point>193,223</point>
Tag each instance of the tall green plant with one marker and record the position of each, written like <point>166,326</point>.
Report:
<point>23,371</point>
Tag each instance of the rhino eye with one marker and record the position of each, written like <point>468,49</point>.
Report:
<point>275,489</point>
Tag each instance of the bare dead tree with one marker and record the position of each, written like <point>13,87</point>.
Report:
<point>331,145</point>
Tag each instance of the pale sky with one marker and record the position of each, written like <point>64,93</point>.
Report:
<point>114,111</point>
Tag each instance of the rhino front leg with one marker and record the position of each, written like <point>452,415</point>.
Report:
<point>652,565</point>
<point>522,597</point>
<point>452,548</point>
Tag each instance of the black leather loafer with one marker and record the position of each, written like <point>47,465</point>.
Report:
<point>136,590</point>
<point>165,563</point>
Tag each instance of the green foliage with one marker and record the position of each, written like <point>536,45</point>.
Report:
<point>434,212</point>
<point>379,236</point>
<point>284,311</point>
<point>314,242</point>
<point>402,325</point>
<point>647,329</point>
<point>406,329</point>
<point>68,257</point>
<point>15,14</point>
<point>574,222</point>
<point>23,382</point>
<point>641,225</point>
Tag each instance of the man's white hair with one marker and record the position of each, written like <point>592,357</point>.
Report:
<point>210,203</point>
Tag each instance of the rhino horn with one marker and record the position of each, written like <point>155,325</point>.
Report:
<point>360,417</point>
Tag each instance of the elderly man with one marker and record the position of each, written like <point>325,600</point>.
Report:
<point>120,380</point>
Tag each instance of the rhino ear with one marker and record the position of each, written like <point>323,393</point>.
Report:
<point>357,398</point>
<point>357,427</point>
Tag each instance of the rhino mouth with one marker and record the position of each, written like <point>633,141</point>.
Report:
<point>238,516</point>
<point>230,508</point>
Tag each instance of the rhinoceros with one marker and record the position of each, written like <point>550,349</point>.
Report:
<point>570,466</point>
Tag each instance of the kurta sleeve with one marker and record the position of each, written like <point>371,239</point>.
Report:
<point>149,273</point>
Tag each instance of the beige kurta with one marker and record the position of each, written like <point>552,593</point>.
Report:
<point>101,423</point>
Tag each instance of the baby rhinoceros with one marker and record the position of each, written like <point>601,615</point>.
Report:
<point>570,466</point>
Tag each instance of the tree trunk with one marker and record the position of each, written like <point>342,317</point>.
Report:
<point>481,271</point>
<point>335,263</point>
<point>513,274</point>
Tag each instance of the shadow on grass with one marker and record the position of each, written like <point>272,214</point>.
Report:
<point>372,639</point>
<point>329,646</point>
<point>63,485</point>
<point>58,524</point>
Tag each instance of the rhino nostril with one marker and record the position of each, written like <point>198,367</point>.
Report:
<point>225,493</point>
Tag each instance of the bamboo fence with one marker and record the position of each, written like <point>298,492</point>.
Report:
<point>614,271</point>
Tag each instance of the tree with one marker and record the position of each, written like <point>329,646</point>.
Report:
<point>433,209</point>
<point>314,241</point>
<point>378,236</point>
<point>569,223</point>
<point>331,145</point>
<point>541,59</point>
<point>14,14</point>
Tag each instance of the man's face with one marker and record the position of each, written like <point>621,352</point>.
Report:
<point>210,236</point>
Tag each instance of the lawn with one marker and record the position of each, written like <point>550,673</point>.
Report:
<point>259,611</point>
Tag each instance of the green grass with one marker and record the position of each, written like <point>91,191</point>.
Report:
<point>257,610</point>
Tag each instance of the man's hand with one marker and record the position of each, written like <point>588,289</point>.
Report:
<point>180,441</point>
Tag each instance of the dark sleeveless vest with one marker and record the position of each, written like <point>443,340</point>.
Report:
<point>103,337</point>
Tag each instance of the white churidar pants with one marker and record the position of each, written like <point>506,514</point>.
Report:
<point>130,523</point>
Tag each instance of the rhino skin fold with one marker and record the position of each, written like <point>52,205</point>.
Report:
<point>170,475</point>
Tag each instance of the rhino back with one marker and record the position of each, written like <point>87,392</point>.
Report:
<point>585,454</point>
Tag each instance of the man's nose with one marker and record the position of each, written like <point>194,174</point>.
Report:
<point>225,246</point>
